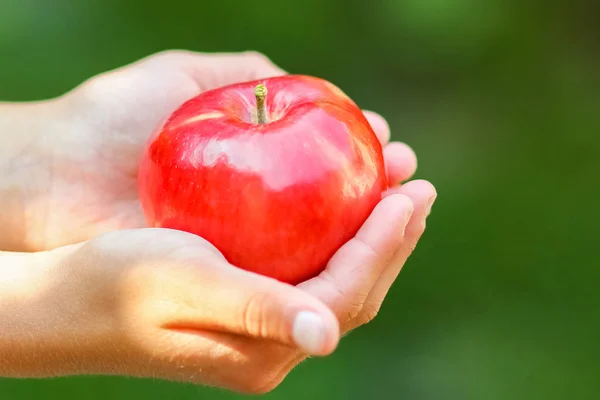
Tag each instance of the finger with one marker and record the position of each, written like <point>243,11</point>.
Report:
<point>400,161</point>
<point>354,269</point>
<point>224,298</point>
<point>379,125</point>
<point>214,70</point>
<point>245,66</point>
<point>261,65</point>
<point>423,195</point>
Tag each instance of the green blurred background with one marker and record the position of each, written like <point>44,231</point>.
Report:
<point>501,101</point>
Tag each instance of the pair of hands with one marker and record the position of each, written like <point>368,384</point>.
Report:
<point>113,298</point>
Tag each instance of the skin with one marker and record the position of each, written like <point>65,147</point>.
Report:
<point>229,178</point>
<point>85,290</point>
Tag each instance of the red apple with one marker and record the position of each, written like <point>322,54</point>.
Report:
<point>277,182</point>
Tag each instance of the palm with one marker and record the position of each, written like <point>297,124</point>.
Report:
<point>94,189</point>
<point>94,185</point>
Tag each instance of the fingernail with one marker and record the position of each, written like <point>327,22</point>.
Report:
<point>309,332</point>
<point>430,205</point>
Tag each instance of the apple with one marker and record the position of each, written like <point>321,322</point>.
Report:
<point>276,173</point>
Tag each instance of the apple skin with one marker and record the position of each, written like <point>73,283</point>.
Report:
<point>278,199</point>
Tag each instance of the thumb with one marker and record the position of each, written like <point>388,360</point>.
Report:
<point>221,297</point>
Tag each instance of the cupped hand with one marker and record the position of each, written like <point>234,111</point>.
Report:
<point>165,304</point>
<point>89,154</point>
<point>162,303</point>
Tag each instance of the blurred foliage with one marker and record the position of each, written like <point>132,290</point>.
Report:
<point>501,101</point>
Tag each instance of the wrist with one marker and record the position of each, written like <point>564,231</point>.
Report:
<point>42,333</point>
<point>21,333</point>
<point>26,135</point>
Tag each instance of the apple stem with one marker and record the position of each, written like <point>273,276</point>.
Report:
<point>260,91</point>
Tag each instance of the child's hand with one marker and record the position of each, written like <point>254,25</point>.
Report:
<point>165,304</point>
<point>76,175</point>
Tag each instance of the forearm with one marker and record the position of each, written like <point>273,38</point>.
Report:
<point>25,169</point>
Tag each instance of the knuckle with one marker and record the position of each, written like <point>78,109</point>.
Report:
<point>259,381</point>
<point>253,314</point>
<point>170,54</point>
<point>421,228</point>
<point>414,236</point>
<point>410,249</point>
<point>263,65</point>
<point>417,230</point>
<point>348,305</point>
<point>258,387</point>
<point>171,58</point>
<point>369,312</point>
<point>367,251</point>
<point>271,375</point>
<point>413,246</point>
<point>91,92</point>
<point>352,310</point>
<point>257,56</point>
